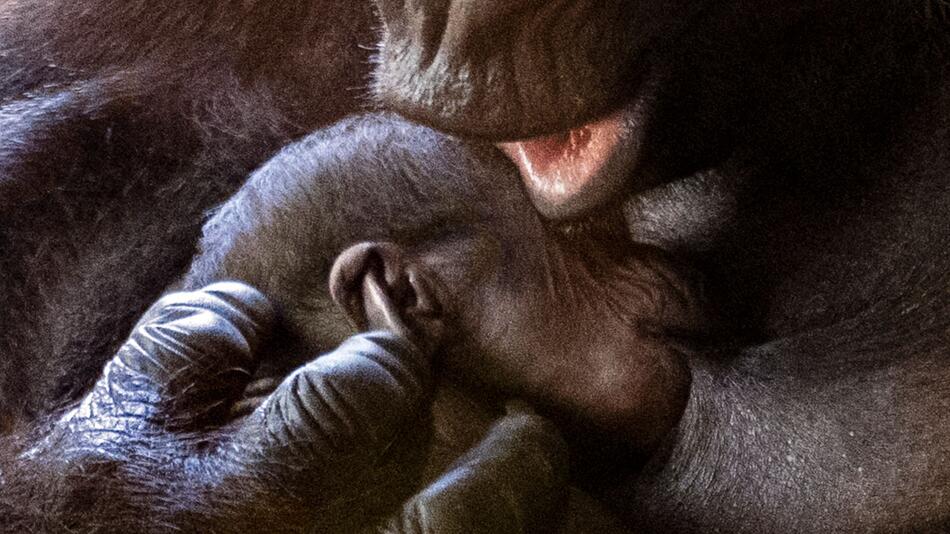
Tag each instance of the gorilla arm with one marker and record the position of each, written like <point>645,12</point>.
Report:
<point>149,447</point>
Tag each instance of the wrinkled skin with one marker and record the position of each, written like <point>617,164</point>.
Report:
<point>146,448</point>
<point>799,154</point>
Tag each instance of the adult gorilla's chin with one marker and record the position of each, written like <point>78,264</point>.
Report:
<point>500,69</point>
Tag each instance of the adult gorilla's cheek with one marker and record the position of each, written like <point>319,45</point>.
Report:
<point>508,69</point>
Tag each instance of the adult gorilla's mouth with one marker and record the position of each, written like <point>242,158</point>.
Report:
<point>502,70</point>
<point>569,173</point>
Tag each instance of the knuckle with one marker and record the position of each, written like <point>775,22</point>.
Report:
<point>225,317</point>
<point>234,302</point>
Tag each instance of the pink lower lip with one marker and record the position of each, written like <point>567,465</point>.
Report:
<point>557,168</point>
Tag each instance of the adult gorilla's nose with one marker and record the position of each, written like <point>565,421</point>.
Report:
<point>504,69</point>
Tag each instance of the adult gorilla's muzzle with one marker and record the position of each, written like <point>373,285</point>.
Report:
<point>502,69</point>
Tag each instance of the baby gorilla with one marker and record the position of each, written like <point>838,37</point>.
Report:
<point>445,229</point>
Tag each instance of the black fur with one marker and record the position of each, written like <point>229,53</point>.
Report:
<point>120,125</point>
<point>367,178</point>
<point>820,129</point>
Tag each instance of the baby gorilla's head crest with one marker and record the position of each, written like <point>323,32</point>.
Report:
<point>369,179</point>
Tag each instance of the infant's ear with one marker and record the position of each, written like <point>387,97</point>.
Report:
<point>379,289</point>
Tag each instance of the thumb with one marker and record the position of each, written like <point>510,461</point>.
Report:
<point>514,482</point>
<point>335,417</point>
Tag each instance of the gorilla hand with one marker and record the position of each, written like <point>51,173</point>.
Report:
<point>152,446</point>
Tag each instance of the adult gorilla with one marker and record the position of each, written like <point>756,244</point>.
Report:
<point>799,152</point>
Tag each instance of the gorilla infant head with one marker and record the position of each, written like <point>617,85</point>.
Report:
<point>579,326</point>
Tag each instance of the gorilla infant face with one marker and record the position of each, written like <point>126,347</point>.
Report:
<point>578,325</point>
